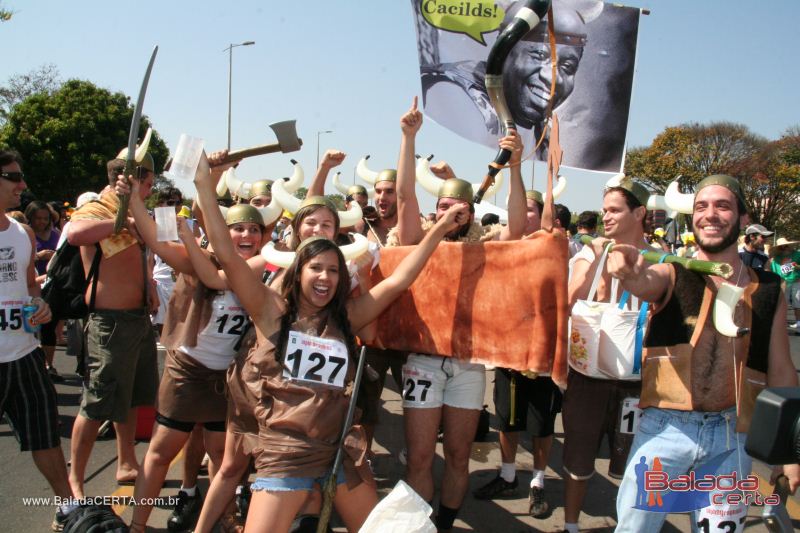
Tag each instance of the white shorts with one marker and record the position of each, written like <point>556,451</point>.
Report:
<point>793,295</point>
<point>430,381</point>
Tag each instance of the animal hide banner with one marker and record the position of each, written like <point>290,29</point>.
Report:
<point>499,303</point>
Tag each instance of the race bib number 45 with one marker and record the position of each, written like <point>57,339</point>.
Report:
<point>11,316</point>
<point>315,360</point>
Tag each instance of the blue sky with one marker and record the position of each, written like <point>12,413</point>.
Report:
<point>351,67</point>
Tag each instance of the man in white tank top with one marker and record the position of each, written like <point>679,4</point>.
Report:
<point>27,395</point>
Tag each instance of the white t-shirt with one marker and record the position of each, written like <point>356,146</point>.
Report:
<point>216,343</point>
<point>15,256</point>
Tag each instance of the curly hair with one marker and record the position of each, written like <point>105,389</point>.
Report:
<point>336,308</point>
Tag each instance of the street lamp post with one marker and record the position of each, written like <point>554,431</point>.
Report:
<point>318,134</point>
<point>230,81</point>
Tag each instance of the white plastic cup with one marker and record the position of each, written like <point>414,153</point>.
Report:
<point>166,224</point>
<point>186,158</point>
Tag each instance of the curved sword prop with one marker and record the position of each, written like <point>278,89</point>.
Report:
<point>130,161</point>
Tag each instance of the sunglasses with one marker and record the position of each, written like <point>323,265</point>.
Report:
<point>16,177</point>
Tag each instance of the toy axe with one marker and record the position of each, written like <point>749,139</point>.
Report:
<point>285,131</point>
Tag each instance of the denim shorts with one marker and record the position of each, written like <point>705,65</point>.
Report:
<point>287,484</point>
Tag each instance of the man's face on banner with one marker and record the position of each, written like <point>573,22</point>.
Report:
<point>528,73</point>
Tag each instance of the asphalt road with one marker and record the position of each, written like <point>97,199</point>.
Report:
<point>19,478</point>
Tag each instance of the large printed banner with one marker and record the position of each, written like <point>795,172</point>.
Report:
<point>501,303</point>
<point>596,46</point>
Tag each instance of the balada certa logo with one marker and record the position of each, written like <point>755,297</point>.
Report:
<point>698,489</point>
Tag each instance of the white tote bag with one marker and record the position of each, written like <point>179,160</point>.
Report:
<point>621,337</point>
<point>585,323</point>
<point>605,337</point>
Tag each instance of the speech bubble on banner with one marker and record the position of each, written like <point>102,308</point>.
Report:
<point>470,18</point>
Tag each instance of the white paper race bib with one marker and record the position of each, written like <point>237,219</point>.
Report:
<point>630,416</point>
<point>315,360</point>
<point>787,268</point>
<point>416,385</point>
<point>11,318</point>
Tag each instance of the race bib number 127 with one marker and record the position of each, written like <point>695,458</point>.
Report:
<point>315,360</point>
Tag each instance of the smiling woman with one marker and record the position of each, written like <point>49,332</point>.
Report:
<point>290,392</point>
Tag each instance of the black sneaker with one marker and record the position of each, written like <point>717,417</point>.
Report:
<point>186,511</point>
<point>59,521</point>
<point>537,505</point>
<point>55,377</point>
<point>496,488</point>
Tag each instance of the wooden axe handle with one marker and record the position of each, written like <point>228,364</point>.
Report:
<point>255,150</point>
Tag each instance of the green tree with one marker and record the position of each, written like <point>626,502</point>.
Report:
<point>44,79</point>
<point>693,151</point>
<point>67,137</point>
<point>769,171</point>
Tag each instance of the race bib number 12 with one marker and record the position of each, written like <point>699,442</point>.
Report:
<point>315,360</point>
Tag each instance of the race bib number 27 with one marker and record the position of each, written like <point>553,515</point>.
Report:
<point>315,360</point>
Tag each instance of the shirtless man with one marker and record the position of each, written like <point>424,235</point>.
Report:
<point>455,388</point>
<point>121,345</point>
<point>699,386</point>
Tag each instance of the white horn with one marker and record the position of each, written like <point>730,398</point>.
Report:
<point>357,248</point>
<point>232,183</point>
<point>657,203</point>
<point>351,216</point>
<point>338,184</point>
<point>426,178</point>
<point>276,257</point>
<point>728,296</point>
<point>615,181</point>
<point>559,187</point>
<point>678,201</point>
<point>365,173</point>
<point>493,189</point>
<point>287,201</point>
<point>296,179</point>
<point>272,212</point>
<point>223,210</point>
<point>142,148</point>
<point>222,186</point>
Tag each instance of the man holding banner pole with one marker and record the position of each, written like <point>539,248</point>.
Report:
<point>440,390</point>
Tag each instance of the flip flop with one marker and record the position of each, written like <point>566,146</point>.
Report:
<point>126,482</point>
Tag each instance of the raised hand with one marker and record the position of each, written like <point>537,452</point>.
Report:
<point>513,143</point>
<point>442,170</point>
<point>411,121</point>
<point>332,158</point>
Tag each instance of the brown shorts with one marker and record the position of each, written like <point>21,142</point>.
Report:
<point>190,391</point>
<point>591,410</point>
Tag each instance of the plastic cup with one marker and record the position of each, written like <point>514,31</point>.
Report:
<point>187,157</point>
<point>28,311</point>
<point>166,224</point>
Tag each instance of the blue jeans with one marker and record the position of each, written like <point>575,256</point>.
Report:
<point>287,484</point>
<point>683,441</point>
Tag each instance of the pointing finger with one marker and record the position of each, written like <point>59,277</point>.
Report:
<point>414,104</point>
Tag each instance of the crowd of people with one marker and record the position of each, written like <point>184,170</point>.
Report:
<point>261,357</point>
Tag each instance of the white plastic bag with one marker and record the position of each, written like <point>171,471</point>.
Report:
<point>402,511</point>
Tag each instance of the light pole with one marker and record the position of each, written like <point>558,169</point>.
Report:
<point>230,81</point>
<point>318,134</point>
